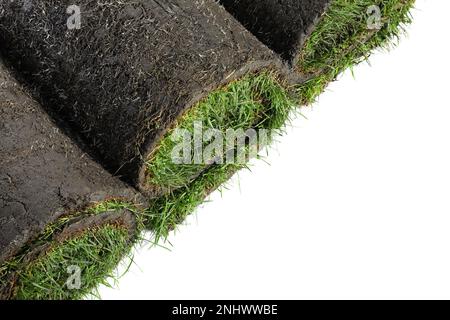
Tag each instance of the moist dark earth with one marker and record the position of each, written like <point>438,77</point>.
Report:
<point>43,174</point>
<point>130,71</point>
<point>283,25</point>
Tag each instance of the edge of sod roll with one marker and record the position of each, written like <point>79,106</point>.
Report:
<point>44,174</point>
<point>282,25</point>
<point>93,241</point>
<point>255,101</point>
<point>170,210</point>
<point>342,40</point>
<point>270,107</point>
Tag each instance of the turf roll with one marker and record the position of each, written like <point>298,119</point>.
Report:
<point>131,72</point>
<point>72,256</point>
<point>322,38</point>
<point>283,25</point>
<point>58,207</point>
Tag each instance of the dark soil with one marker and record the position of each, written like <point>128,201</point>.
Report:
<point>283,25</point>
<point>43,175</point>
<point>131,70</point>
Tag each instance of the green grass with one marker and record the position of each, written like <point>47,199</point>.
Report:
<point>170,210</point>
<point>96,252</point>
<point>342,40</point>
<point>254,101</point>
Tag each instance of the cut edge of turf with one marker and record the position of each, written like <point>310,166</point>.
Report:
<point>249,102</point>
<point>171,209</point>
<point>42,269</point>
<point>342,40</point>
<point>167,212</point>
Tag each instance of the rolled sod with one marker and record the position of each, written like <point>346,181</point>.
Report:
<point>72,256</point>
<point>283,25</point>
<point>135,70</point>
<point>88,247</point>
<point>46,184</point>
<point>322,38</point>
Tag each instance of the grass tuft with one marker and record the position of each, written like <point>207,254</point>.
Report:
<point>170,210</point>
<point>343,39</point>
<point>96,253</point>
<point>255,101</point>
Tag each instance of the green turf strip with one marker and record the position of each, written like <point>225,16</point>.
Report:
<point>255,101</point>
<point>343,39</point>
<point>97,252</point>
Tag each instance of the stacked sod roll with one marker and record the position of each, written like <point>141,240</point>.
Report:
<point>283,25</point>
<point>123,78</point>
<point>322,38</point>
<point>134,71</point>
<point>58,208</point>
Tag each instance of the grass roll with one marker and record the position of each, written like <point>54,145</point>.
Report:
<point>282,25</point>
<point>134,71</point>
<point>58,208</point>
<point>322,38</point>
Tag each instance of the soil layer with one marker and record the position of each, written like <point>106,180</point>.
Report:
<point>130,70</point>
<point>43,175</point>
<point>283,25</point>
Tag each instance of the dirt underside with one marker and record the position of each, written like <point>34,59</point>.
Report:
<point>132,68</point>
<point>283,25</point>
<point>43,175</point>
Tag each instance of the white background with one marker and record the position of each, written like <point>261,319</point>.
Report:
<point>354,204</point>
